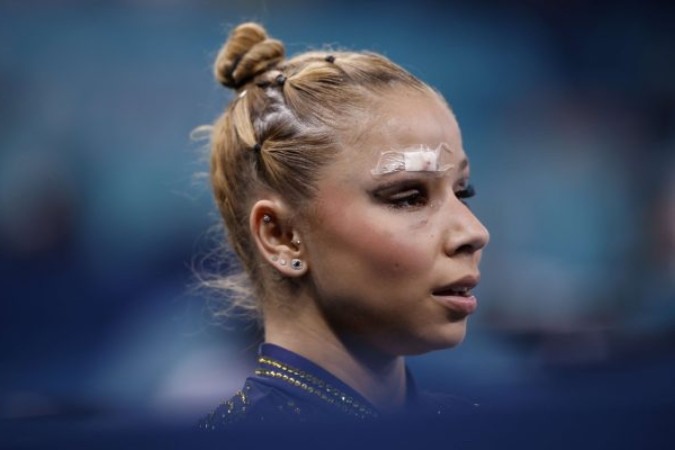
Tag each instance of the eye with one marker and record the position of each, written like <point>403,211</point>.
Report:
<point>403,196</point>
<point>465,193</point>
<point>408,198</point>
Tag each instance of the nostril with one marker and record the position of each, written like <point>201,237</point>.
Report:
<point>466,248</point>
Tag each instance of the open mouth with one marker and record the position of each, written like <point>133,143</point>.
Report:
<point>457,296</point>
<point>454,291</point>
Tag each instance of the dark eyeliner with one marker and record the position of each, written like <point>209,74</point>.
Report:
<point>466,192</point>
<point>398,195</point>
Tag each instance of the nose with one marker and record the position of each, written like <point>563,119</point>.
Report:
<point>466,234</point>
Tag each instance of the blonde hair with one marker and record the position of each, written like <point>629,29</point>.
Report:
<point>288,120</point>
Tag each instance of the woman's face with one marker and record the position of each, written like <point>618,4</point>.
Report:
<point>390,256</point>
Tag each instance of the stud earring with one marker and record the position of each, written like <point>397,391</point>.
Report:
<point>275,258</point>
<point>296,242</point>
<point>297,264</point>
<point>282,261</point>
<point>266,218</point>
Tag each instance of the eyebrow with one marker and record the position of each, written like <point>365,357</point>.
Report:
<point>403,177</point>
<point>463,164</point>
<point>394,178</point>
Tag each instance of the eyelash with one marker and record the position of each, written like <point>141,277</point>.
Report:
<point>408,198</point>
<point>466,193</point>
<point>417,197</point>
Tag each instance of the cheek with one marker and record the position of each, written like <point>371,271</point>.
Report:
<point>382,246</point>
<point>395,255</point>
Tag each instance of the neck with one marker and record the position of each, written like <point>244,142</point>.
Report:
<point>378,377</point>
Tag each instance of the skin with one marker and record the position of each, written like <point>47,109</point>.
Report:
<point>376,248</point>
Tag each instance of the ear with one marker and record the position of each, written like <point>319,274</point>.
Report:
<point>278,241</point>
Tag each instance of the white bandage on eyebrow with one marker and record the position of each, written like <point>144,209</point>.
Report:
<point>414,159</point>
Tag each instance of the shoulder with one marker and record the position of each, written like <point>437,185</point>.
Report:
<point>259,404</point>
<point>234,410</point>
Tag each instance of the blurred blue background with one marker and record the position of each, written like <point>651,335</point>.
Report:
<point>568,116</point>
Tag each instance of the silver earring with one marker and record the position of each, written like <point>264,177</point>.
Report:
<point>296,264</point>
<point>282,261</point>
<point>297,242</point>
<point>266,218</point>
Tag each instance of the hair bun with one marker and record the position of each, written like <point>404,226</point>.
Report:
<point>247,53</point>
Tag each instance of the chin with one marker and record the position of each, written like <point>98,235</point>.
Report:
<point>436,345</point>
<point>443,339</point>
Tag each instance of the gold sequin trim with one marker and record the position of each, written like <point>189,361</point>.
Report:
<point>316,386</point>
<point>234,410</point>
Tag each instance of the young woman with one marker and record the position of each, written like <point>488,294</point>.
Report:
<point>342,181</point>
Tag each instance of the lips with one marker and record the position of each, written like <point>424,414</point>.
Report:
<point>457,295</point>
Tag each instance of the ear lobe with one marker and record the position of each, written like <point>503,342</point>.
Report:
<point>276,239</point>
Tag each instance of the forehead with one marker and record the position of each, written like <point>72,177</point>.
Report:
<point>403,121</point>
